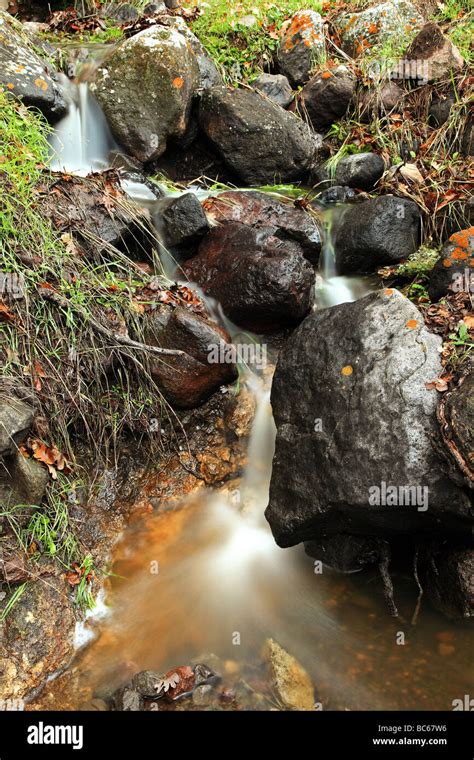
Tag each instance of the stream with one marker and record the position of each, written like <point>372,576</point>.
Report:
<point>206,582</point>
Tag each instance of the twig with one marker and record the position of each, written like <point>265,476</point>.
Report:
<point>122,340</point>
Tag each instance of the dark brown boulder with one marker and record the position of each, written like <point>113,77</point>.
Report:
<point>327,97</point>
<point>188,380</point>
<point>263,283</point>
<point>258,210</point>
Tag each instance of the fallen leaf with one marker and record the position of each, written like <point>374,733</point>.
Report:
<point>412,173</point>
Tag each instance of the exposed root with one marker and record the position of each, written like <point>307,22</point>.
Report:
<point>416,612</point>
<point>384,564</point>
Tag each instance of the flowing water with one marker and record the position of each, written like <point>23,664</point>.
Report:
<point>206,578</point>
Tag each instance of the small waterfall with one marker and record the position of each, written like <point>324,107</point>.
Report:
<point>333,289</point>
<point>82,141</point>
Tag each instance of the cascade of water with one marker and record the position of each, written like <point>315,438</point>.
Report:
<point>82,141</point>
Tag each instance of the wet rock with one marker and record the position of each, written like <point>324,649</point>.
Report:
<point>257,210</point>
<point>16,418</point>
<point>37,638</point>
<point>337,194</point>
<point>146,88</point>
<point>436,52</point>
<point>362,170</point>
<point>450,581</point>
<point>262,282</point>
<point>276,87</point>
<point>188,380</point>
<point>22,482</point>
<point>454,270</point>
<point>379,101</point>
<point>302,40</point>
<point>379,231</point>
<point>440,108</point>
<point>150,686</point>
<point>327,97</point>
<point>290,680</point>
<point>258,140</point>
<point>184,223</point>
<point>376,423</point>
<point>24,74</point>
<point>345,554</point>
<point>389,22</point>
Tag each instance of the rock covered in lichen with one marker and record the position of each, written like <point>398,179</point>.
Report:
<point>146,89</point>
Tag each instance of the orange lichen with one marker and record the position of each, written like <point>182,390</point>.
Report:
<point>10,86</point>
<point>326,75</point>
<point>388,291</point>
<point>412,323</point>
<point>178,82</point>
<point>347,370</point>
<point>373,29</point>
<point>41,84</point>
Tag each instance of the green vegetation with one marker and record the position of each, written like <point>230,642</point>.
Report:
<point>419,263</point>
<point>13,599</point>
<point>51,344</point>
<point>242,37</point>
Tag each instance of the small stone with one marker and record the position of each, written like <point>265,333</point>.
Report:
<point>276,87</point>
<point>290,680</point>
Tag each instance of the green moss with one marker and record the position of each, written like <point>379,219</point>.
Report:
<point>419,263</point>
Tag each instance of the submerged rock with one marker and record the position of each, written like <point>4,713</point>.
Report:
<point>146,88</point>
<point>379,231</point>
<point>290,680</point>
<point>301,42</point>
<point>24,74</point>
<point>285,220</point>
<point>258,140</point>
<point>355,428</point>
<point>276,87</point>
<point>327,97</point>
<point>150,686</point>
<point>188,380</point>
<point>262,282</point>
<point>454,270</point>
<point>362,170</point>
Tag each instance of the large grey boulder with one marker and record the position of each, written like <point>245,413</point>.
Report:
<point>24,74</point>
<point>257,139</point>
<point>146,88</point>
<point>356,427</point>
